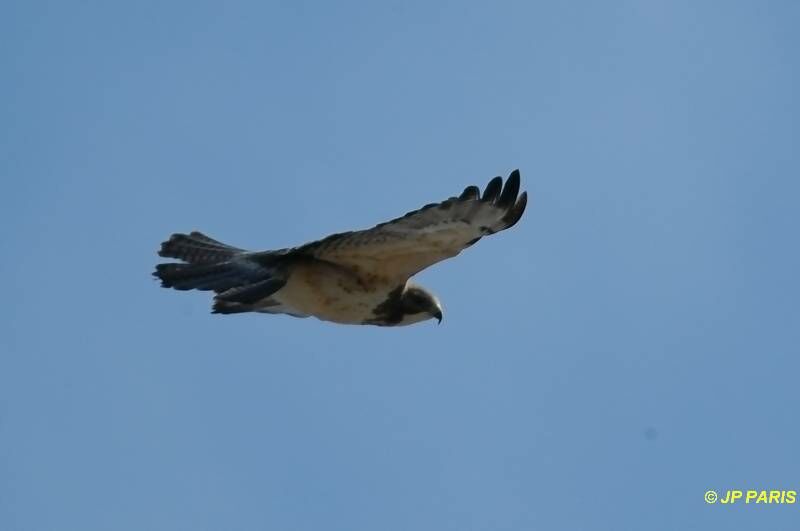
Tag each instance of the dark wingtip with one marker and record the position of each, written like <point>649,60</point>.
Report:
<point>510,191</point>
<point>470,192</point>
<point>515,213</point>
<point>492,190</point>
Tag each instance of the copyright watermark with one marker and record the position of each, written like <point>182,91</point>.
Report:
<point>755,497</point>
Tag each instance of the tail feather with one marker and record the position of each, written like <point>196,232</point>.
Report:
<point>197,248</point>
<point>227,308</point>
<point>239,278</point>
<point>200,237</point>
<point>216,277</point>
<point>252,293</point>
<point>268,305</point>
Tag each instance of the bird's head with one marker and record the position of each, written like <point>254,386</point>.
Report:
<point>420,304</point>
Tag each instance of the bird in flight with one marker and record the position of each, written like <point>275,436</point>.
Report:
<point>356,277</point>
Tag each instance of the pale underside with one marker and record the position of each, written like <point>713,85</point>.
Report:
<point>327,292</point>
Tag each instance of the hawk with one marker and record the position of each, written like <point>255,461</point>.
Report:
<point>356,277</point>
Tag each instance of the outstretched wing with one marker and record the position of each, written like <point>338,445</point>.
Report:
<point>404,246</point>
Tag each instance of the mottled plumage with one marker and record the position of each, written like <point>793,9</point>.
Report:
<point>357,277</point>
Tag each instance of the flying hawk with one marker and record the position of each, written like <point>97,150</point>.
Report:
<point>357,277</point>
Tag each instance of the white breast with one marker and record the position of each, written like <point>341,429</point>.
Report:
<point>331,293</point>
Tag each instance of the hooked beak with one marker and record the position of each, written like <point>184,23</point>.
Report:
<point>438,314</point>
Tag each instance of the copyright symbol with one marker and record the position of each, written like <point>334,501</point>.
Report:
<point>711,497</point>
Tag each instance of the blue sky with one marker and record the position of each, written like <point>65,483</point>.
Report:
<point>631,344</point>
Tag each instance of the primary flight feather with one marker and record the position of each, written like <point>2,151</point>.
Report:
<point>357,277</point>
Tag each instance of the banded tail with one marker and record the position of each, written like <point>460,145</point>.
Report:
<point>240,278</point>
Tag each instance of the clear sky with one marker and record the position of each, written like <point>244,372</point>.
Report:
<point>631,344</point>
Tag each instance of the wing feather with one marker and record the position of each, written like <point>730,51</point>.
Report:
<point>404,246</point>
